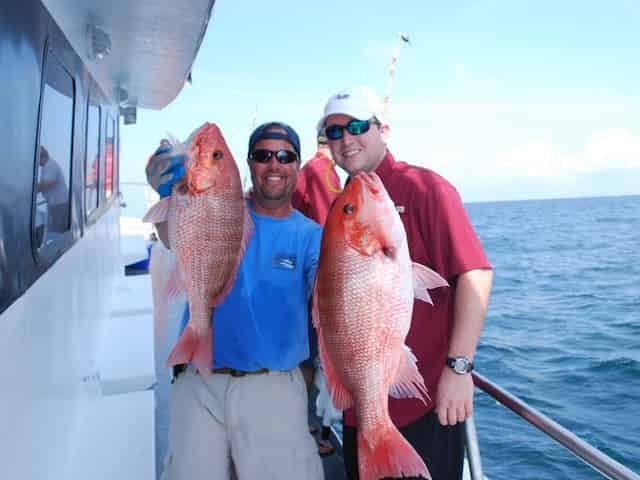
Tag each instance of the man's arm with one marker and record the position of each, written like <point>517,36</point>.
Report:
<point>454,402</point>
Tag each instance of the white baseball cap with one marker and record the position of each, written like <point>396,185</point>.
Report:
<point>359,102</point>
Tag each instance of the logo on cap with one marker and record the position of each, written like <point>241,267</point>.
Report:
<point>342,96</point>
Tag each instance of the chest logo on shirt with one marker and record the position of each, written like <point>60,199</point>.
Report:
<point>400,208</point>
<point>284,261</point>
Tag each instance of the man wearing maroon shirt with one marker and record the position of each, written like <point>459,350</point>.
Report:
<point>318,184</point>
<point>443,336</point>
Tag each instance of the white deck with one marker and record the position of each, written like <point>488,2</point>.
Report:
<point>116,439</point>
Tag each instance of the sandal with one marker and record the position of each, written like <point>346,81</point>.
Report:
<point>325,447</point>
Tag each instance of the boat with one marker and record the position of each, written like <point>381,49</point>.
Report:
<point>76,333</point>
<point>80,391</point>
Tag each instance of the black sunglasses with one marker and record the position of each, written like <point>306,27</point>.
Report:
<point>354,127</point>
<point>264,156</point>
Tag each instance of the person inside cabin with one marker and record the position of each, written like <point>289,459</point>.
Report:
<point>250,418</point>
<point>52,185</point>
<point>444,336</point>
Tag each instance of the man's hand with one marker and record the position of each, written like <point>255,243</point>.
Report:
<point>454,402</point>
<point>165,169</point>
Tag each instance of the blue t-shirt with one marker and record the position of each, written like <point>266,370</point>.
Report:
<point>264,321</point>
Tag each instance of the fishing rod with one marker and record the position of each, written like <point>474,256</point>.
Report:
<point>402,38</point>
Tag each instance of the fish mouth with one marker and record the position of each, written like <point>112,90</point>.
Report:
<point>371,181</point>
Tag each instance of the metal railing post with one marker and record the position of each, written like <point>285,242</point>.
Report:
<point>473,450</point>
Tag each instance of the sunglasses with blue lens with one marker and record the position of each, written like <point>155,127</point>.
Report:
<point>354,127</point>
<point>282,156</point>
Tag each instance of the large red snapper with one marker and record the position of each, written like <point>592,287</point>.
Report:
<point>362,306</point>
<point>209,227</point>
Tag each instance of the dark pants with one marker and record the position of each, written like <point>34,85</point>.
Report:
<point>441,448</point>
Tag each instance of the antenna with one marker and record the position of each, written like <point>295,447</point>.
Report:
<point>401,39</point>
<point>245,179</point>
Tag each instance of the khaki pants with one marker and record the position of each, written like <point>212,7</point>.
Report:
<point>257,421</point>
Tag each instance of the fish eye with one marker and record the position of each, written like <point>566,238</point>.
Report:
<point>217,154</point>
<point>348,208</point>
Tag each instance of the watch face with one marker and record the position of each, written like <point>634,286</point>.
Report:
<point>461,365</point>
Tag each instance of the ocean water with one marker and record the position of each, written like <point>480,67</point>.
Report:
<point>563,332</point>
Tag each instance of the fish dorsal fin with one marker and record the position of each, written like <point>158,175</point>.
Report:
<point>340,396</point>
<point>424,279</point>
<point>408,382</point>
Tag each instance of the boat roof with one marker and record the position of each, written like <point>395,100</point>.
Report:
<point>140,53</point>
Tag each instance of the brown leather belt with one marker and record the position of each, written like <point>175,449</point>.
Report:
<point>178,369</point>
<point>239,373</point>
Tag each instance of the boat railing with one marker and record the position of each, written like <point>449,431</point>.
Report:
<point>593,457</point>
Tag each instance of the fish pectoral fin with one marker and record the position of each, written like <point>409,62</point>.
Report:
<point>424,279</point>
<point>408,382</point>
<point>340,396</point>
<point>158,213</point>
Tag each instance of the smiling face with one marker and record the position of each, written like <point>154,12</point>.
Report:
<point>357,153</point>
<point>273,182</point>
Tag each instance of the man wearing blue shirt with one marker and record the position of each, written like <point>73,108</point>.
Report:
<point>252,412</point>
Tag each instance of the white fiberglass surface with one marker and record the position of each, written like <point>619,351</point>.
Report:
<point>48,348</point>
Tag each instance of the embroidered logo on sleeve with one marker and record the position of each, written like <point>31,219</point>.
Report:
<point>284,261</point>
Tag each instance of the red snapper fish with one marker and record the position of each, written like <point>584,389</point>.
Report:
<point>362,306</point>
<point>209,228</point>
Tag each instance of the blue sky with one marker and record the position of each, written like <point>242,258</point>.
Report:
<point>506,99</point>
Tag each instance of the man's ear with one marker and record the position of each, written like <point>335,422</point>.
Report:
<point>385,132</point>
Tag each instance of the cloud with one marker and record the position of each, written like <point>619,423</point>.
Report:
<point>543,159</point>
<point>612,148</point>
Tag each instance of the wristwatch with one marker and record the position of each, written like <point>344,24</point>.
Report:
<point>460,365</point>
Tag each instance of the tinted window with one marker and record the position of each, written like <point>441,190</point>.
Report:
<point>110,156</point>
<point>92,159</point>
<point>53,159</point>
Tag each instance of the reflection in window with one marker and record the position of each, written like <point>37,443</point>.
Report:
<point>52,216</point>
<point>92,159</point>
<point>109,153</point>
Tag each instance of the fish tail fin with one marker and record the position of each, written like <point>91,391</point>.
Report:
<point>386,453</point>
<point>424,279</point>
<point>194,348</point>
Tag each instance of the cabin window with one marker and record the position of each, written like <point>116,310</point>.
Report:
<point>53,159</point>
<point>109,157</point>
<point>92,158</point>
